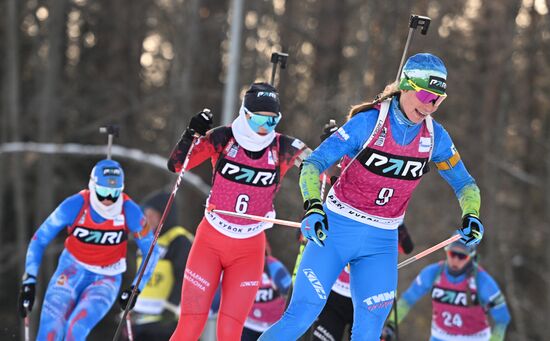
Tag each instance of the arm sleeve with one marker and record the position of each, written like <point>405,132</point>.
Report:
<point>292,153</point>
<point>205,147</point>
<point>493,300</point>
<point>177,254</point>
<point>452,169</point>
<point>347,140</point>
<point>421,285</point>
<point>63,216</point>
<point>143,235</point>
<point>280,276</point>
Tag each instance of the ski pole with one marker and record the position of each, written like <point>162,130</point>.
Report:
<point>129,327</point>
<point>27,321</point>
<point>277,58</point>
<point>111,131</point>
<point>428,251</point>
<point>211,208</point>
<point>157,233</point>
<point>414,22</point>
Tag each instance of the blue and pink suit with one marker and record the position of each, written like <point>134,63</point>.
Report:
<point>364,209</point>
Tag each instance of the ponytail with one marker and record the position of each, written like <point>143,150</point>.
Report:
<point>389,91</point>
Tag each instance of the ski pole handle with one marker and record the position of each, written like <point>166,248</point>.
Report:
<point>428,251</point>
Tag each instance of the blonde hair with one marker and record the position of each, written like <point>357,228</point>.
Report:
<point>390,90</point>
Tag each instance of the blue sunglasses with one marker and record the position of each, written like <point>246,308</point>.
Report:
<point>105,192</point>
<point>257,121</point>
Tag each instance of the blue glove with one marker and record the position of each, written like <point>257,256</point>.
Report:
<point>315,224</point>
<point>471,231</point>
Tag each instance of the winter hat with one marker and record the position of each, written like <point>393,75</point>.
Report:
<point>262,97</point>
<point>157,201</point>
<point>108,173</point>
<point>426,71</point>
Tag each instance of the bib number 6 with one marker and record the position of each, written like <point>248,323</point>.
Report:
<point>384,196</point>
<point>242,203</point>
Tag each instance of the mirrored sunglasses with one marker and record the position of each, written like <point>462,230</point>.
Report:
<point>261,120</point>
<point>105,192</point>
<point>459,255</point>
<point>426,96</point>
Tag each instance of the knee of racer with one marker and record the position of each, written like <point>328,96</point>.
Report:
<point>300,315</point>
<point>369,321</point>
<point>229,328</point>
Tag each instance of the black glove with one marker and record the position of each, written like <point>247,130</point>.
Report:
<point>328,129</point>
<point>125,297</point>
<point>26,297</point>
<point>388,333</point>
<point>200,123</point>
<point>405,240</point>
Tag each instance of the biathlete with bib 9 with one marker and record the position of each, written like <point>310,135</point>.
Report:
<point>89,272</point>
<point>386,145</point>
<point>249,161</point>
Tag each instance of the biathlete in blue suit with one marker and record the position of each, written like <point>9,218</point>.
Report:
<point>385,145</point>
<point>463,294</point>
<point>89,272</point>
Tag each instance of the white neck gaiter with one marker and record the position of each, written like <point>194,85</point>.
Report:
<point>107,212</point>
<point>248,138</point>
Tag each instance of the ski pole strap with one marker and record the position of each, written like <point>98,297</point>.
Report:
<point>428,251</point>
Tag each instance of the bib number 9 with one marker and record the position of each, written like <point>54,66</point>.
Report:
<point>384,196</point>
<point>242,203</point>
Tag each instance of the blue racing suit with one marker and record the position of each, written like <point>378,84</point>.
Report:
<point>77,298</point>
<point>371,251</point>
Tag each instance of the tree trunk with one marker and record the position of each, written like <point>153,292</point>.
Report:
<point>16,170</point>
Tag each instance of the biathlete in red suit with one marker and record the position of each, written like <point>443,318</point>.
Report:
<point>249,161</point>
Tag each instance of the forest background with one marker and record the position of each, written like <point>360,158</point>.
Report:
<point>71,66</point>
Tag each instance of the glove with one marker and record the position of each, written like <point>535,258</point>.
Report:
<point>201,122</point>
<point>315,224</point>
<point>471,231</point>
<point>388,333</point>
<point>125,297</point>
<point>328,129</point>
<point>27,294</point>
<point>405,241</point>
